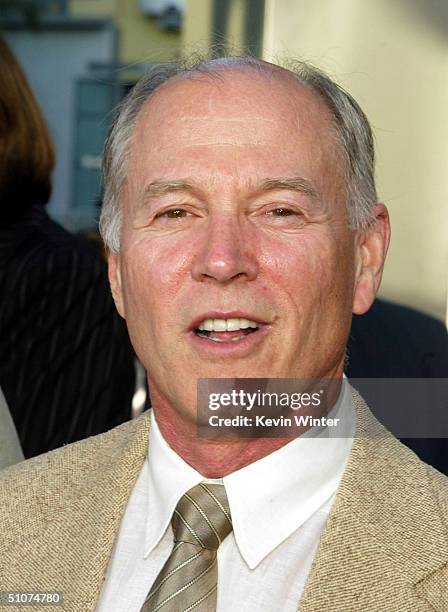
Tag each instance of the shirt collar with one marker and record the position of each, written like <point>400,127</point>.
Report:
<point>270,498</point>
<point>169,478</point>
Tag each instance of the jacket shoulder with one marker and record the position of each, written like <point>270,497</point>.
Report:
<point>439,484</point>
<point>61,477</point>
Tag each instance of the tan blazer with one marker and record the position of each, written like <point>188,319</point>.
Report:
<point>384,548</point>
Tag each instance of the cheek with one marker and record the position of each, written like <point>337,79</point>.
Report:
<point>149,295</point>
<point>154,270</point>
<point>308,267</point>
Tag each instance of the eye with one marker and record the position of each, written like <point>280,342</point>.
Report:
<point>281,212</point>
<point>174,213</point>
<point>283,216</point>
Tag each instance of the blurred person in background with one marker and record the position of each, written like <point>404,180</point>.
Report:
<point>394,341</point>
<point>10,451</point>
<point>66,364</point>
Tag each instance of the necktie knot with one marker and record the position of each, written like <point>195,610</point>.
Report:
<point>202,517</point>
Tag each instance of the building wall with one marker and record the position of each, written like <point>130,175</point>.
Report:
<point>200,29</point>
<point>393,58</point>
<point>197,26</point>
<point>140,39</point>
<point>93,8</point>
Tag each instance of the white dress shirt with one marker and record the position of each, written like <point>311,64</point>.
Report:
<point>279,506</point>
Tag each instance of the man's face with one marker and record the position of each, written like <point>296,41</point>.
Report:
<point>234,209</point>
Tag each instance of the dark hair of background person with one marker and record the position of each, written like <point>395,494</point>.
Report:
<point>66,362</point>
<point>26,149</point>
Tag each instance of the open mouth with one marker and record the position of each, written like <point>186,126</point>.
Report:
<point>226,330</point>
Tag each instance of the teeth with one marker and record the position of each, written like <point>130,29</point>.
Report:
<point>233,324</point>
<point>220,325</point>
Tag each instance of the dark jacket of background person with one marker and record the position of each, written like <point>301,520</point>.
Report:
<point>393,341</point>
<point>66,364</point>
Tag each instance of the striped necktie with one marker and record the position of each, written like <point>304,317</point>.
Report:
<point>189,578</point>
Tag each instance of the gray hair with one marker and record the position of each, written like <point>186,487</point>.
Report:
<point>351,127</point>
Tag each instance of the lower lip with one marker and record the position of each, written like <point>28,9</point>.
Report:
<point>231,348</point>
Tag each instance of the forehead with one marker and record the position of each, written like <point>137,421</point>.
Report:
<point>257,122</point>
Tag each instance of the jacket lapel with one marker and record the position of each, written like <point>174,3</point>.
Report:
<point>384,546</point>
<point>68,546</point>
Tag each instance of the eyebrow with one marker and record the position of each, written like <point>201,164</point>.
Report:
<point>160,188</point>
<point>302,185</point>
<point>298,184</point>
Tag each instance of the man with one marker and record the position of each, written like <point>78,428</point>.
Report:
<point>238,195</point>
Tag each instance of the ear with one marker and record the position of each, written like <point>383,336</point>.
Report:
<point>371,249</point>
<point>115,282</point>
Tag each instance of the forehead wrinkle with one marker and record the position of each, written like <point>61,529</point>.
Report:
<point>198,131</point>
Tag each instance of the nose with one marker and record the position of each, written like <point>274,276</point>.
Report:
<point>227,251</point>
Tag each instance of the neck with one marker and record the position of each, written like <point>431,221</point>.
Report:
<point>214,458</point>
